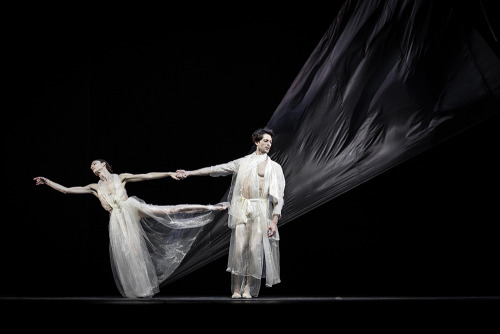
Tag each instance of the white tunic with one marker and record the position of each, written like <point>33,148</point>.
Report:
<point>254,199</point>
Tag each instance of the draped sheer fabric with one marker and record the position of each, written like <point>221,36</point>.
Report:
<point>147,242</point>
<point>388,80</point>
<point>247,184</point>
<point>253,254</point>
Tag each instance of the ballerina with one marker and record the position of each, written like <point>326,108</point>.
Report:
<point>147,242</point>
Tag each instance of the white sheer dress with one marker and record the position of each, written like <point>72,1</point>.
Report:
<point>148,242</point>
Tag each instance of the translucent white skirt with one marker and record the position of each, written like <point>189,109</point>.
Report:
<point>148,242</point>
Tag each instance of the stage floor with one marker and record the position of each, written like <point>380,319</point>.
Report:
<point>258,300</point>
<point>219,312</point>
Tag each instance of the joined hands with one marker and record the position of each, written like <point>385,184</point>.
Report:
<point>181,174</point>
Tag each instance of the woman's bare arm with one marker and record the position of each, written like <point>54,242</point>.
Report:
<point>88,189</point>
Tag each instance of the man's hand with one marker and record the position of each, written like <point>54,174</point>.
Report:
<point>271,229</point>
<point>181,174</point>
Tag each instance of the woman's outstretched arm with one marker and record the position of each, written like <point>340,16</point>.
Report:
<point>88,189</point>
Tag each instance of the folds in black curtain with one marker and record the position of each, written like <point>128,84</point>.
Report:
<point>388,80</point>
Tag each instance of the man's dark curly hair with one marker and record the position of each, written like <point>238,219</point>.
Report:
<point>259,133</point>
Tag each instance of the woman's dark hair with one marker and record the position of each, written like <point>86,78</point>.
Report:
<point>108,165</point>
<point>259,133</point>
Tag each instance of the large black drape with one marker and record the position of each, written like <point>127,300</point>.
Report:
<point>388,80</point>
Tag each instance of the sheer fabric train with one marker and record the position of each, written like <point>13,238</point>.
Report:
<point>147,242</point>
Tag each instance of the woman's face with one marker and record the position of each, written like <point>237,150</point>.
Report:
<point>97,166</point>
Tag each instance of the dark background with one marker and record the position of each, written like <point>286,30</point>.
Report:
<point>155,89</point>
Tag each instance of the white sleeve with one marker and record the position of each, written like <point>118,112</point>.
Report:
<point>224,169</point>
<point>278,190</point>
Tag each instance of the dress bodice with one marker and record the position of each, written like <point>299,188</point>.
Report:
<point>111,193</point>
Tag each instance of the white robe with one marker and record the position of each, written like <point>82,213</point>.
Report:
<point>251,252</point>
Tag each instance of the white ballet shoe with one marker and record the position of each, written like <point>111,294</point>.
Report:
<point>247,295</point>
<point>219,207</point>
<point>236,295</point>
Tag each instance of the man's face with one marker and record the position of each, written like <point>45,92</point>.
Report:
<point>264,145</point>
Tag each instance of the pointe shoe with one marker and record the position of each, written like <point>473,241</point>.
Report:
<point>236,295</point>
<point>223,205</point>
<point>219,207</point>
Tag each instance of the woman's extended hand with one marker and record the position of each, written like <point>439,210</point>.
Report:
<point>40,180</point>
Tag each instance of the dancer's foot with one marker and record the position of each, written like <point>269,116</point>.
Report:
<point>246,295</point>
<point>246,292</point>
<point>236,295</point>
<point>219,207</point>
